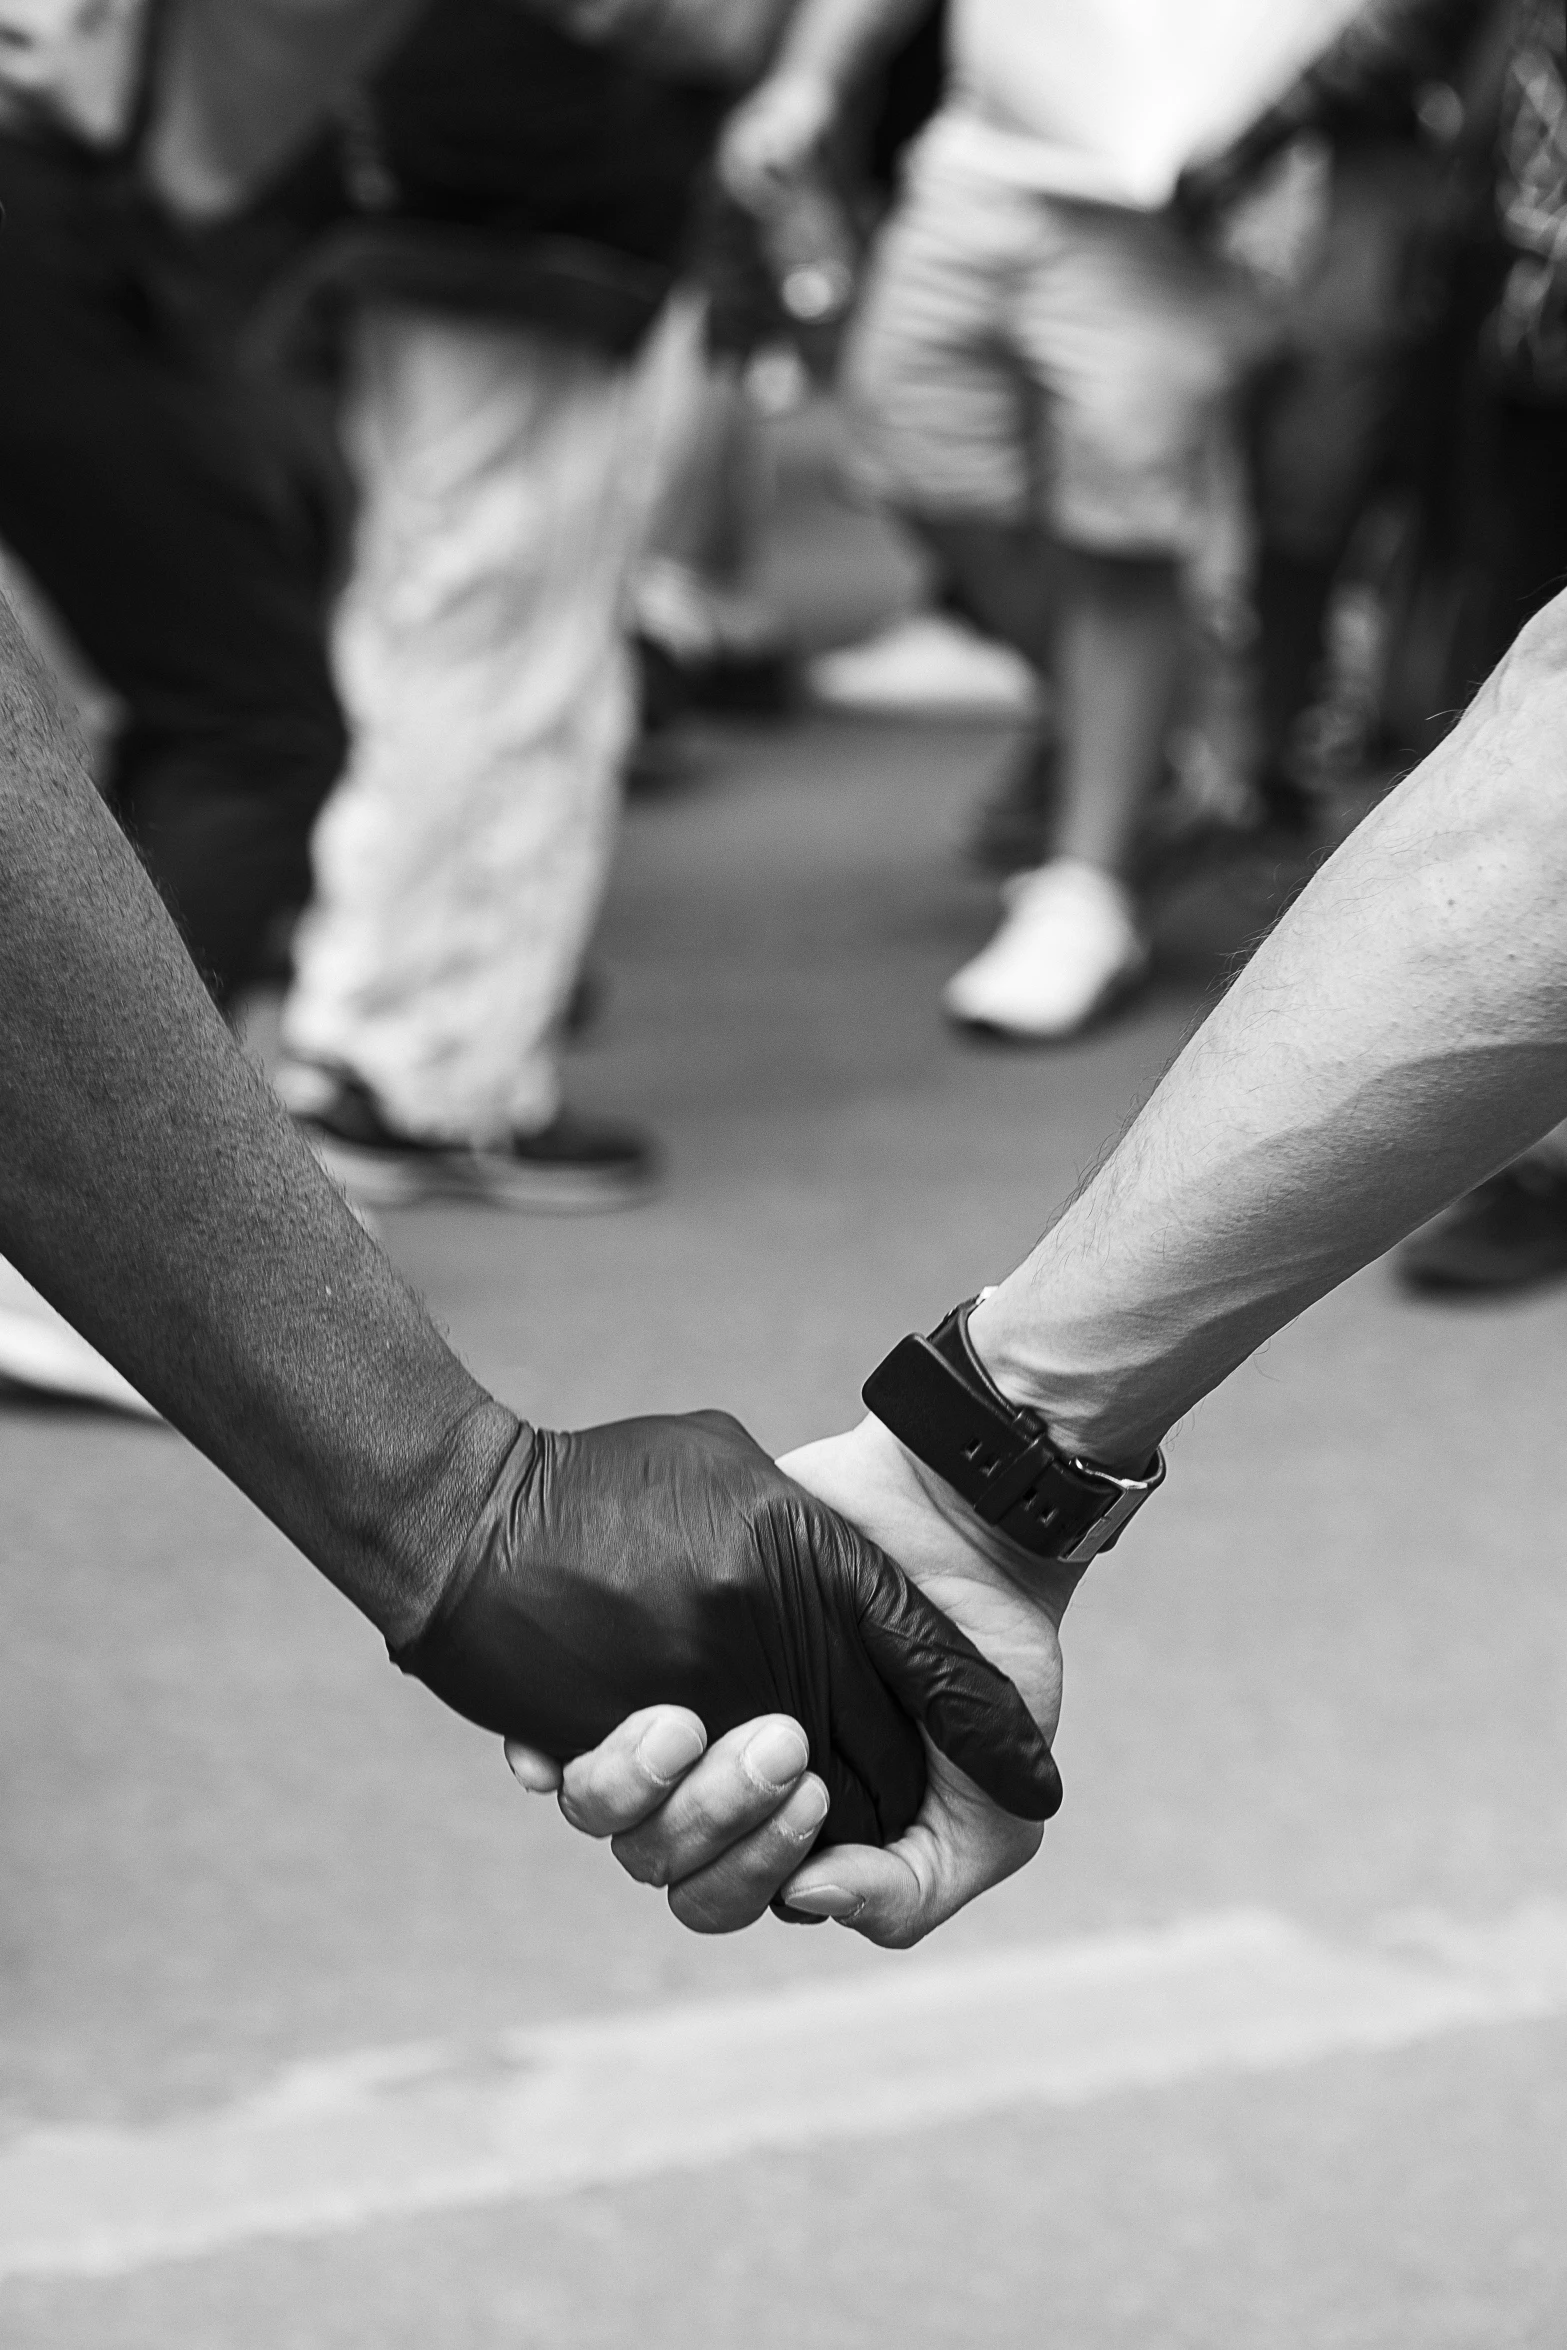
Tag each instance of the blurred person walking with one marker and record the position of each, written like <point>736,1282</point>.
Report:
<point>139,483</point>
<point>514,364</point>
<point>138,488</point>
<point>1353,413</point>
<point>1510,1233</point>
<point>707,631</point>
<point>1046,357</point>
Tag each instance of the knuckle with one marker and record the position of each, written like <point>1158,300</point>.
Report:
<point>704,1911</point>
<point>719,1813</point>
<point>646,1862</point>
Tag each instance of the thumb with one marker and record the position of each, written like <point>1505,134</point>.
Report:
<point>972,1711</point>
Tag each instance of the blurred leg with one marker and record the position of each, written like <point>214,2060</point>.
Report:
<point>1344,412</point>
<point>1515,523</point>
<point>708,634</point>
<point>710,507</point>
<point>505,478</point>
<point>1124,335</point>
<point>1004,577</point>
<point>1134,341</point>
<point>1119,647</point>
<point>132,487</point>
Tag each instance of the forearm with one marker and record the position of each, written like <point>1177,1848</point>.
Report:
<point>154,1190</point>
<point>838,42</point>
<point>1401,1034</point>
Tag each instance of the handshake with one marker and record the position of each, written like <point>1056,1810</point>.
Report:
<point>826,1686</point>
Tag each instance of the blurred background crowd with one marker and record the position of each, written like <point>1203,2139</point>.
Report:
<point>391,443</point>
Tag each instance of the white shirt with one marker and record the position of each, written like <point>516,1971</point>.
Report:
<point>1111,99</point>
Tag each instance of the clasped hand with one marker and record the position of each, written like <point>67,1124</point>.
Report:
<point>734,1825</point>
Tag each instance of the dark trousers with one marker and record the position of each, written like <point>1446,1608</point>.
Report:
<point>1372,363</point>
<point>1514,524</point>
<point>136,487</point>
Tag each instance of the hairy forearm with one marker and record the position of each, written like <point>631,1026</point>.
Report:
<point>1401,1034</point>
<point>152,1187</point>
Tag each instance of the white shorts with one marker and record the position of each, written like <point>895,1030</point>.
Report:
<point>1021,356</point>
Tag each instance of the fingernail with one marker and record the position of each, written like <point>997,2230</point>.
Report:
<point>809,1807</point>
<point>669,1749</point>
<point>827,1901</point>
<point>523,1766</point>
<point>777,1754</point>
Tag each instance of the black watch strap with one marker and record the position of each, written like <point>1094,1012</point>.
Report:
<point>937,1398</point>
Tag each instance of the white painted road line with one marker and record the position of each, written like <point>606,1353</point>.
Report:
<point>918,2041</point>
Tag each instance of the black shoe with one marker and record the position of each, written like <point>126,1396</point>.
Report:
<point>575,1165</point>
<point>1509,1233</point>
<point>754,683</point>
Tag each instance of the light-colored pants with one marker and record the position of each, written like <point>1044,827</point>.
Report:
<point>505,479</point>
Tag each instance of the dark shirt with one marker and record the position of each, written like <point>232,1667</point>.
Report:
<point>489,117</point>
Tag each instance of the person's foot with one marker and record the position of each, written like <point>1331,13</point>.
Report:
<point>925,663</point>
<point>1508,1233</point>
<point>40,1351</point>
<point>723,684</point>
<point>1067,949</point>
<point>574,1165</point>
<point>701,645</point>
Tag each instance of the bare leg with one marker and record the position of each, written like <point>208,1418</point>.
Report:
<point>711,509</point>
<point>1119,644</point>
<point>1008,581</point>
<point>1107,630</point>
<point>699,596</point>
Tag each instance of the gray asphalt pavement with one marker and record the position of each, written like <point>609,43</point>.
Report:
<point>1323,1682</point>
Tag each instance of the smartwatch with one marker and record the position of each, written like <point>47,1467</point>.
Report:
<point>937,1398</point>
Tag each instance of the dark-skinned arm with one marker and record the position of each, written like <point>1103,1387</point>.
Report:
<point>154,1190</point>
<point>543,1584</point>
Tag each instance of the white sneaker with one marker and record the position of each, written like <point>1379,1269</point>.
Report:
<point>1068,946</point>
<point>926,663</point>
<point>40,1350</point>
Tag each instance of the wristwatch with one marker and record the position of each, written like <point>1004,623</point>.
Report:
<point>937,1398</point>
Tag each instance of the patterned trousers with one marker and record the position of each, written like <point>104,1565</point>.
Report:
<point>505,481</point>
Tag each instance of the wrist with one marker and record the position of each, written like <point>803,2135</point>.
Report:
<point>1098,1407</point>
<point>928,1526</point>
<point>413,1541</point>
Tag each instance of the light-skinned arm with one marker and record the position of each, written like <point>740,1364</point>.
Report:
<point>1400,1035</point>
<point>827,50</point>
